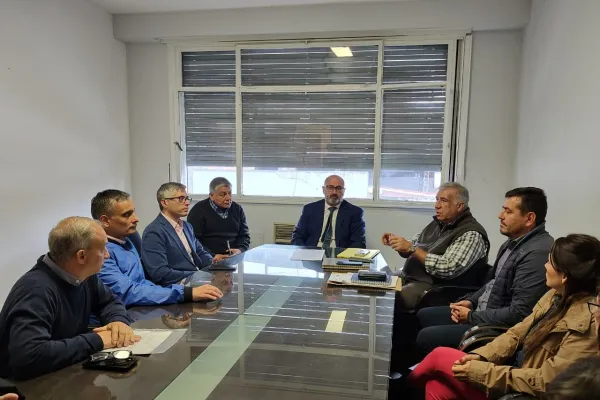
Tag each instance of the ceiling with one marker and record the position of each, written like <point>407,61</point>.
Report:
<point>158,6</point>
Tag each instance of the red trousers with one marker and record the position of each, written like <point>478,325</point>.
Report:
<point>435,373</point>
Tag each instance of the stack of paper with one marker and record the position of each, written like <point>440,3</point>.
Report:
<point>350,279</point>
<point>308,255</point>
<point>332,264</point>
<point>154,341</point>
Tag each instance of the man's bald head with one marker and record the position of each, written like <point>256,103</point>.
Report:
<point>334,180</point>
<point>334,189</point>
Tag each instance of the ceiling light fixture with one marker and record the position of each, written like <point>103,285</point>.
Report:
<point>342,51</point>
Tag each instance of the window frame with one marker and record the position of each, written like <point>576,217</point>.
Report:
<point>455,114</point>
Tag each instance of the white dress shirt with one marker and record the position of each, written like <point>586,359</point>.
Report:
<point>178,226</point>
<point>333,219</point>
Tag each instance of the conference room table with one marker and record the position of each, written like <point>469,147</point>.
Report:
<point>279,332</point>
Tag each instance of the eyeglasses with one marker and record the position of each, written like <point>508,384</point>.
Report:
<point>117,355</point>
<point>335,188</point>
<point>593,307</point>
<point>180,199</point>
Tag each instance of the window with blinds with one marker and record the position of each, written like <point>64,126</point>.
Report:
<point>309,66</point>
<point>209,124</point>
<point>412,140</point>
<point>306,112</point>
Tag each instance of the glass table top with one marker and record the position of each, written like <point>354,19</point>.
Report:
<point>279,330</point>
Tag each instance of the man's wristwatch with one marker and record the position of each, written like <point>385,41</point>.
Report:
<point>412,249</point>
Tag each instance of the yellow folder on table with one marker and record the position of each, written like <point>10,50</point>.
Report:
<point>354,254</point>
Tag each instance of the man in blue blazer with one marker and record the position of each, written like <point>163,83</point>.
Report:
<point>170,251</point>
<point>332,222</point>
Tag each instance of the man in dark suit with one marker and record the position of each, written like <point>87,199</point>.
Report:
<point>332,222</point>
<point>170,251</point>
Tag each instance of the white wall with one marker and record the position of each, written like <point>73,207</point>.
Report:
<point>558,131</point>
<point>319,20</point>
<point>63,121</point>
<point>148,87</point>
<point>492,125</point>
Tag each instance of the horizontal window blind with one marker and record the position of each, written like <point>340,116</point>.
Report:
<point>308,66</point>
<point>308,130</point>
<point>209,129</point>
<point>407,64</point>
<point>293,136</point>
<point>208,68</point>
<point>413,129</point>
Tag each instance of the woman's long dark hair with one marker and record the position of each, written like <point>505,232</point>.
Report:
<point>578,257</point>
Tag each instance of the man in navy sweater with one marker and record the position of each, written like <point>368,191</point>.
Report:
<point>44,321</point>
<point>122,271</point>
<point>220,223</point>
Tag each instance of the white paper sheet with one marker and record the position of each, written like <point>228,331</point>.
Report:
<point>308,255</point>
<point>151,340</point>
<point>341,277</point>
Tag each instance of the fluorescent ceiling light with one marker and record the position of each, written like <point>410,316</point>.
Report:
<point>342,51</point>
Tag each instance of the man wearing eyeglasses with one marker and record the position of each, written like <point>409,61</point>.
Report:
<point>332,222</point>
<point>170,251</point>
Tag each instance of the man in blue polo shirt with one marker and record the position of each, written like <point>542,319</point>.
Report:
<point>122,271</point>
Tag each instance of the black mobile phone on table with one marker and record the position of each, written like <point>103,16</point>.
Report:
<point>116,361</point>
<point>377,276</point>
<point>7,387</point>
<point>349,263</point>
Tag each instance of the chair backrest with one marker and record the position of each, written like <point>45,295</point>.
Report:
<point>136,239</point>
<point>448,290</point>
<point>518,396</point>
<point>477,275</point>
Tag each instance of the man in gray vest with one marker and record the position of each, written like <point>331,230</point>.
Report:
<point>445,252</point>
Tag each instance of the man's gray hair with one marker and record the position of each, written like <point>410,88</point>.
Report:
<point>167,190</point>
<point>217,183</point>
<point>69,236</point>
<point>462,193</point>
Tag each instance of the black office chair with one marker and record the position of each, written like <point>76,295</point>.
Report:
<point>480,335</point>
<point>444,295</point>
<point>453,289</point>
<point>136,239</point>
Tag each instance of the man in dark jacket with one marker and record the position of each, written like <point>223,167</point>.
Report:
<point>518,276</point>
